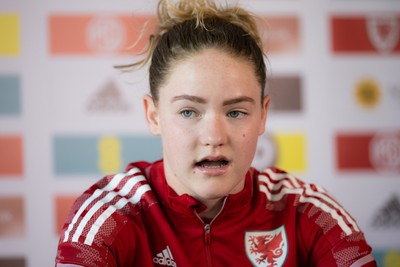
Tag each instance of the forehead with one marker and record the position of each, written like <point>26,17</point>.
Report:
<point>208,71</point>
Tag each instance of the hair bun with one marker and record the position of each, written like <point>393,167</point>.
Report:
<point>171,13</point>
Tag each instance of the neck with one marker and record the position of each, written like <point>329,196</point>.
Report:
<point>213,208</point>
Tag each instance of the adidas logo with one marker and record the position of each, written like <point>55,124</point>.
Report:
<point>165,258</point>
<point>108,98</point>
<point>389,215</point>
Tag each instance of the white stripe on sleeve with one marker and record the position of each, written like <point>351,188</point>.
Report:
<point>114,182</point>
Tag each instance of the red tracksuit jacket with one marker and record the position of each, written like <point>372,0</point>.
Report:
<point>136,219</point>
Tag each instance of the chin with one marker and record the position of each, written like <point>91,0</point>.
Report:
<point>213,195</point>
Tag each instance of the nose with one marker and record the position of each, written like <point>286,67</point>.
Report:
<point>213,131</point>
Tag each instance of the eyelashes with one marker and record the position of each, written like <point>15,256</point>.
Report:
<point>234,114</point>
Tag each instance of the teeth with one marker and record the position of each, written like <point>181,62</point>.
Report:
<point>213,164</point>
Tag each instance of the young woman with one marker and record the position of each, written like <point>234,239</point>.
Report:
<point>203,205</point>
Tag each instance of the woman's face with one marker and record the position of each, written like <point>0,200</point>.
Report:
<point>209,115</point>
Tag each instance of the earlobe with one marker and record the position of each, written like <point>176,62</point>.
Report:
<point>265,105</point>
<point>151,113</point>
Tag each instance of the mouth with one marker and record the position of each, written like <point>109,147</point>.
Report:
<point>212,163</point>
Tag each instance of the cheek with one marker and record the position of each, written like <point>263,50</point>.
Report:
<point>248,141</point>
<point>171,142</point>
<point>177,138</point>
<point>249,133</point>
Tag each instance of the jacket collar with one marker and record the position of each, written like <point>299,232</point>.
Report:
<point>186,204</point>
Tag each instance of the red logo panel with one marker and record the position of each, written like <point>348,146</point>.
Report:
<point>366,34</point>
<point>12,218</point>
<point>89,34</point>
<point>369,151</point>
<point>280,34</point>
<point>11,156</point>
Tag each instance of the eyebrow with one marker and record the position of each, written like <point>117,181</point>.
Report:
<point>238,100</point>
<point>203,101</point>
<point>190,98</point>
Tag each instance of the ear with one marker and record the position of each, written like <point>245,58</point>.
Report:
<point>151,113</point>
<point>265,105</point>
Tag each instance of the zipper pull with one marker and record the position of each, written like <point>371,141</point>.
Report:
<point>207,236</point>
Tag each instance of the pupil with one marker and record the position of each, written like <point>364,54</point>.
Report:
<point>234,114</point>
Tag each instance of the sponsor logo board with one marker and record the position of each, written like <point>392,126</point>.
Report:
<point>12,217</point>
<point>371,33</point>
<point>286,94</point>
<point>102,154</point>
<point>388,216</point>
<point>280,34</point>
<point>368,93</point>
<point>387,258</point>
<point>11,156</point>
<point>10,35</point>
<point>12,262</point>
<point>98,34</point>
<point>108,99</point>
<point>10,95</point>
<point>283,150</point>
<point>291,155</point>
<point>378,151</point>
<point>376,92</point>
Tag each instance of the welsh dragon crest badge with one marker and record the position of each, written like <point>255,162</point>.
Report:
<point>267,248</point>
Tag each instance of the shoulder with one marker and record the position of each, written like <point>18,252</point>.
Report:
<point>310,199</point>
<point>276,183</point>
<point>112,201</point>
<point>101,219</point>
<point>323,225</point>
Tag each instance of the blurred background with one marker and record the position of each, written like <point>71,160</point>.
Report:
<point>68,117</point>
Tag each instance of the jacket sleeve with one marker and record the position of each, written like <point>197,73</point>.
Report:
<point>121,252</point>
<point>98,230</point>
<point>330,234</point>
<point>74,246</point>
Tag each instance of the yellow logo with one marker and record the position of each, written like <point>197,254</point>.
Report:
<point>291,154</point>
<point>109,154</point>
<point>392,259</point>
<point>368,93</point>
<point>9,32</point>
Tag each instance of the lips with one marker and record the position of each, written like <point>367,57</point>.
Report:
<point>213,166</point>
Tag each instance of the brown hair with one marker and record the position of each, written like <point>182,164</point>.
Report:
<point>189,26</point>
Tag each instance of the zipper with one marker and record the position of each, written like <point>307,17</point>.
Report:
<point>207,237</point>
<point>207,234</point>
<point>207,242</point>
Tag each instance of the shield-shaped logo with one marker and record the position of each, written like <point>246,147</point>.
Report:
<point>383,32</point>
<point>385,151</point>
<point>267,248</point>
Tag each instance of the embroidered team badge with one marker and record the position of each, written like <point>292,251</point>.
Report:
<point>267,248</point>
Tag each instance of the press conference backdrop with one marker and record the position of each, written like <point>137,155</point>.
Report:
<point>67,117</point>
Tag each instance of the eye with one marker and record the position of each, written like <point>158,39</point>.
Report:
<point>187,113</point>
<point>236,114</point>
